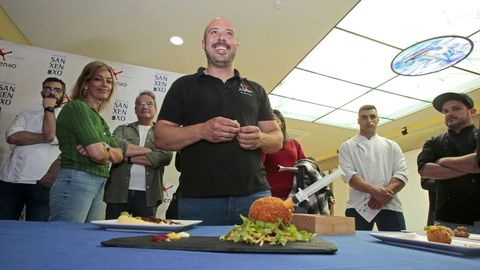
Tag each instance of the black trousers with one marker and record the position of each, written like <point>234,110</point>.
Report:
<point>136,205</point>
<point>34,197</point>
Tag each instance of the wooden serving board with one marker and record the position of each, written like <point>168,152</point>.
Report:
<point>323,225</point>
<point>214,244</point>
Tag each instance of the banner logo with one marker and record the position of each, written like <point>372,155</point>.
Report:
<point>160,82</point>
<point>115,73</point>
<point>4,52</point>
<point>120,108</point>
<point>56,65</point>
<point>166,190</point>
<point>7,91</point>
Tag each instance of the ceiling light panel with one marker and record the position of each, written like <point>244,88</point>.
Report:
<point>472,62</point>
<point>314,88</point>
<point>403,23</point>
<point>351,58</point>
<point>298,109</point>
<point>427,87</point>
<point>345,119</point>
<point>388,105</point>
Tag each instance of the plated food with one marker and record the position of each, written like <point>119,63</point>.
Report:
<point>269,222</point>
<point>127,218</point>
<point>439,234</point>
<point>270,209</point>
<point>461,232</point>
<point>442,234</point>
<point>418,240</point>
<point>169,237</point>
<point>127,222</point>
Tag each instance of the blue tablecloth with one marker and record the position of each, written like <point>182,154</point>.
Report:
<point>60,245</point>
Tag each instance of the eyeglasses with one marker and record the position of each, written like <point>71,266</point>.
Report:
<point>52,90</point>
<point>144,103</point>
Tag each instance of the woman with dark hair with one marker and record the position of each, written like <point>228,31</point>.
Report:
<point>281,182</point>
<point>87,147</point>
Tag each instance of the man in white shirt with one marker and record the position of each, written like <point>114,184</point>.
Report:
<point>375,169</point>
<point>36,147</point>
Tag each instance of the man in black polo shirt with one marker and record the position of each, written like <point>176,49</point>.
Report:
<point>450,159</point>
<point>221,122</point>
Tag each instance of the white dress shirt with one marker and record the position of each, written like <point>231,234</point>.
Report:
<point>26,164</point>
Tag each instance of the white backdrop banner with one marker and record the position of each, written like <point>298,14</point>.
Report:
<point>23,69</point>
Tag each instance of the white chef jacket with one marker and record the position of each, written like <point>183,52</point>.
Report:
<point>26,164</point>
<point>376,160</point>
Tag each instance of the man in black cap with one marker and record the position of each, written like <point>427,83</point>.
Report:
<point>451,160</point>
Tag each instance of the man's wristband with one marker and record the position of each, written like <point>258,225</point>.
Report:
<point>49,109</point>
<point>129,160</point>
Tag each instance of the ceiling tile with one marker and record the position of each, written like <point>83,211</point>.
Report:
<point>388,105</point>
<point>404,23</point>
<point>298,109</point>
<point>345,119</point>
<point>351,58</point>
<point>314,88</point>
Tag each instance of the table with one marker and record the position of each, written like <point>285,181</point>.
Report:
<point>61,245</point>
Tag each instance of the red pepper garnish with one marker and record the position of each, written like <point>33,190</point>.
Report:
<point>160,238</point>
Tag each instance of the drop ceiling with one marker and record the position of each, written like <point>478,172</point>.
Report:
<point>352,65</point>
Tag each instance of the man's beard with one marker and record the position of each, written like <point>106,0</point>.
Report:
<point>457,124</point>
<point>60,101</point>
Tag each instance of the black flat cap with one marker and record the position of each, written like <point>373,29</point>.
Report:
<point>439,100</point>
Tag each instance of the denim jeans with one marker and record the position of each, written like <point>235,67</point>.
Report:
<point>136,205</point>
<point>14,196</point>
<point>386,220</point>
<point>218,210</point>
<point>76,196</point>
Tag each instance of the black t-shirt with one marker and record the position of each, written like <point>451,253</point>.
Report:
<point>218,169</point>
<point>458,199</point>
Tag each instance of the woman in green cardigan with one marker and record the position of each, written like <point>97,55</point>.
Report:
<point>87,147</point>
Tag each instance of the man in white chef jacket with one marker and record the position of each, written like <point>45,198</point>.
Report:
<point>376,171</point>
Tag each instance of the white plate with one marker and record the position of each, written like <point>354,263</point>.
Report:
<point>459,246</point>
<point>474,236</point>
<point>111,224</point>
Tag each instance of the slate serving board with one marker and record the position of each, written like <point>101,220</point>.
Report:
<point>214,244</point>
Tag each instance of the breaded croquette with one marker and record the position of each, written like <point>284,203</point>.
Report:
<point>439,234</point>
<point>270,209</point>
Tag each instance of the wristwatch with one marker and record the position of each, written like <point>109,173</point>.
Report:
<point>129,160</point>
<point>49,109</point>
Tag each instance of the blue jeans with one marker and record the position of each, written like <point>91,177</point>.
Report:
<point>218,210</point>
<point>76,196</point>
<point>136,205</point>
<point>386,220</point>
<point>14,196</point>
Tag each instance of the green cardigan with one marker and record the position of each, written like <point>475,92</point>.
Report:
<point>78,123</point>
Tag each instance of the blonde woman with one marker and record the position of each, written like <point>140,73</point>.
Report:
<point>87,147</point>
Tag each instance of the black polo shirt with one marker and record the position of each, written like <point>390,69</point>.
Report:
<point>458,199</point>
<point>218,169</point>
